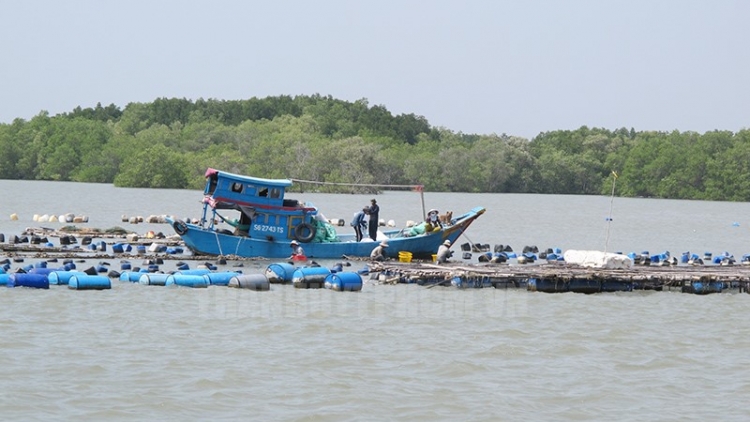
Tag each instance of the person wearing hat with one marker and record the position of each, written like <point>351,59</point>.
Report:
<point>378,254</point>
<point>432,222</point>
<point>373,212</point>
<point>444,252</point>
<point>297,250</point>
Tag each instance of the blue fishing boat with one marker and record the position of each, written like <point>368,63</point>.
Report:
<point>269,221</point>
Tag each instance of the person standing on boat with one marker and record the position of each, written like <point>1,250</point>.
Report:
<point>373,211</point>
<point>297,251</point>
<point>444,252</point>
<point>378,254</point>
<point>359,223</point>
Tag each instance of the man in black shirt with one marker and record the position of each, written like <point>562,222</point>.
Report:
<point>373,223</point>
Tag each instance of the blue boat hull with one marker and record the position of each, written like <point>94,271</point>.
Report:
<point>205,241</point>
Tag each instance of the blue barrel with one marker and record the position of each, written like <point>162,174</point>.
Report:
<point>131,276</point>
<point>4,279</point>
<point>257,282</point>
<point>220,278</point>
<point>125,266</point>
<point>196,271</point>
<point>140,249</point>
<point>187,280</point>
<point>153,279</point>
<point>547,285</point>
<point>61,277</point>
<point>89,282</point>
<point>41,270</point>
<point>310,277</point>
<point>41,264</point>
<point>344,282</point>
<point>117,248</point>
<point>280,272</point>
<point>37,281</point>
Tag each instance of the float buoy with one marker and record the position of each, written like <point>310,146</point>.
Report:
<point>280,273</point>
<point>310,277</point>
<point>344,282</point>
<point>257,282</point>
<point>89,282</point>
<point>220,279</point>
<point>187,280</point>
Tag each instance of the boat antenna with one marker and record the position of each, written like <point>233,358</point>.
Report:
<point>609,217</point>
<point>416,188</point>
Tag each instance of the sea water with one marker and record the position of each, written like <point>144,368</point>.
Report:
<point>402,352</point>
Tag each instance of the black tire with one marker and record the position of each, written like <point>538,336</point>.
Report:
<point>304,232</point>
<point>180,227</point>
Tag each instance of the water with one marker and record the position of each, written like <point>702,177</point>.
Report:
<point>388,352</point>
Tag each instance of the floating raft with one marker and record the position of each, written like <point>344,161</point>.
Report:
<point>561,277</point>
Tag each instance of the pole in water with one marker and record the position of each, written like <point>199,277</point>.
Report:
<point>609,218</point>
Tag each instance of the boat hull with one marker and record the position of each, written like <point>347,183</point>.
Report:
<point>206,241</point>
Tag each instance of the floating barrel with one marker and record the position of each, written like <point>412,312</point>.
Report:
<point>258,282</point>
<point>343,282</point>
<point>310,277</point>
<point>584,285</point>
<point>153,279</point>
<point>197,271</point>
<point>118,248</point>
<point>131,276</point>
<point>125,266</point>
<point>187,280</point>
<point>220,278</point>
<point>140,249</point>
<point>36,281</point>
<point>4,279</point>
<point>617,286</point>
<point>703,287</point>
<point>41,270</point>
<point>61,277</point>
<point>547,285</point>
<point>89,282</point>
<point>280,273</point>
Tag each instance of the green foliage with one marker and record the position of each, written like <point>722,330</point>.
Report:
<point>170,142</point>
<point>153,167</point>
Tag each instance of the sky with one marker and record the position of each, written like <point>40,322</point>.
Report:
<point>518,67</point>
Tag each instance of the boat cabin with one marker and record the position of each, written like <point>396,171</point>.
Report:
<point>265,213</point>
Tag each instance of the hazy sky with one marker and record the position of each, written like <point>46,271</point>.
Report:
<point>493,66</point>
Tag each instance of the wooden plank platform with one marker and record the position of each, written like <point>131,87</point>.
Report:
<point>561,277</point>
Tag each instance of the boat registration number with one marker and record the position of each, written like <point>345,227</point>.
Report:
<point>267,228</point>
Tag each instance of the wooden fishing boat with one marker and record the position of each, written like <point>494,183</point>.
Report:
<point>269,221</point>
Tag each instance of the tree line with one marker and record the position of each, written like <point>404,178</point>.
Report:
<point>168,143</point>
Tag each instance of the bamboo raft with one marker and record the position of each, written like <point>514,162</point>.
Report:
<point>559,277</point>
